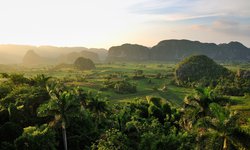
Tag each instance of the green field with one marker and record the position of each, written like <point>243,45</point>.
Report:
<point>93,80</point>
<point>137,103</point>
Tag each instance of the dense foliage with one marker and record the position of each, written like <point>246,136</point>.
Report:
<point>237,84</point>
<point>200,70</point>
<point>84,63</point>
<point>45,113</point>
<point>194,69</point>
<point>124,87</point>
<point>120,87</point>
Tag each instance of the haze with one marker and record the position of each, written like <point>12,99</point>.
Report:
<point>94,23</point>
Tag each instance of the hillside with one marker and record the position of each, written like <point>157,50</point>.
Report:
<point>128,52</point>
<point>32,58</point>
<point>71,57</point>
<point>175,50</point>
<point>13,54</point>
<point>179,49</point>
<point>167,50</point>
<point>199,68</point>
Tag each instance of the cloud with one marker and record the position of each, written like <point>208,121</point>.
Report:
<point>157,7</point>
<point>232,28</point>
<point>228,27</point>
<point>186,9</point>
<point>198,27</point>
<point>180,17</point>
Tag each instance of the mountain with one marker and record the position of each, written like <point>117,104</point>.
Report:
<point>179,49</point>
<point>167,50</point>
<point>102,53</point>
<point>13,54</point>
<point>128,52</point>
<point>32,58</point>
<point>71,57</point>
<point>7,58</point>
<point>235,51</point>
<point>174,50</point>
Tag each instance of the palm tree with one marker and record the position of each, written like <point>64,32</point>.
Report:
<point>98,106</point>
<point>62,105</point>
<point>196,106</point>
<point>225,125</point>
<point>83,96</point>
<point>201,100</point>
<point>40,80</point>
<point>18,79</point>
<point>162,110</point>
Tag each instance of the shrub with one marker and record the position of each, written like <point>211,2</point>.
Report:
<point>124,87</point>
<point>84,64</point>
<point>36,138</point>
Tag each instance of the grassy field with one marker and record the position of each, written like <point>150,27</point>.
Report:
<point>159,74</point>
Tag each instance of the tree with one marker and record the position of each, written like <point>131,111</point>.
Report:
<point>62,105</point>
<point>27,99</point>
<point>36,138</point>
<point>124,87</point>
<point>4,75</point>
<point>40,80</point>
<point>5,89</point>
<point>226,127</point>
<point>84,63</point>
<point>161,141</point>
<point>113,139</point>
<point>197,105</point>
<point>19,79</point>
<point>138,74</point>
<point>98,106</point>
<point>83,96</point>
<point>9,131</point>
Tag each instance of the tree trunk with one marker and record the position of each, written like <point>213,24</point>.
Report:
<point>97,121</point>
<point>225,144</point>
<point>120,124</point>
<point>64,136</point>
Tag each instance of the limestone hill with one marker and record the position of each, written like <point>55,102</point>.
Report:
<point>198,68</point>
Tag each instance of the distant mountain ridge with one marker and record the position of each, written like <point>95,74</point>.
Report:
<point>174,50</point>
<point>166,50</point>
<point>71,57</point>
<point>14,54</point>
<point>31,58</point>
<point>128,52</point>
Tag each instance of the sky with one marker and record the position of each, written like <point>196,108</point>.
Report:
<point>105,23</point>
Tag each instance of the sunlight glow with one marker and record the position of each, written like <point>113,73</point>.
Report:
<point>96,23</point>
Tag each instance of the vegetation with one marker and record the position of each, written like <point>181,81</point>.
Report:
<point>84,64</point>
<point>202,71</point>
<point>176,50</point>
<point>166,50</point>
<point>128,52</point>
<point>122,106</point>
<point>197,69</point>
<point>237,84</point>
<point>124,87</point>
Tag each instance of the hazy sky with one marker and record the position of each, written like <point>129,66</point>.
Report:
<point>104,23</point>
